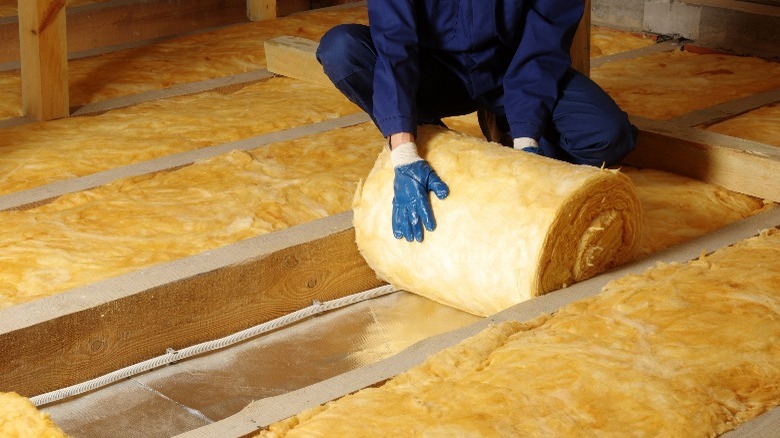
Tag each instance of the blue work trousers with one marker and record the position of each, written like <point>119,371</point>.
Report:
<point>586,127</point>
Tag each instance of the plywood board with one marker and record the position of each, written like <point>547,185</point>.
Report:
<point>59,341</point>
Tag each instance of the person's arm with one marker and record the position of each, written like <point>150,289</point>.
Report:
<point>531,83</point>
<point>400,138</point>
<point>396,79</point>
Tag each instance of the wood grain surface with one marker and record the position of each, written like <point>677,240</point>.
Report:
<point>82,334</point>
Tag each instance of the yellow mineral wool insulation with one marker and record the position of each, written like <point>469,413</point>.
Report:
<point>49,241</point>
<point>676,209</point>
<point>36,154</point>
<point>669,84</point>
<point>680,350</point>
<point>19,418</point>
<point>230,50</point>
<point>125,226</point>
<point>467,124</point>
<point>761,125</point>
<point>605,41</point>
<point>515,225</point>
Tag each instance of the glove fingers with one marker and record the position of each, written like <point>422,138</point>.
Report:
<point>399,222</point>
<point>426,214</point>
<point>411,204</point>
<point>415,224</point>
<point>439,187</point>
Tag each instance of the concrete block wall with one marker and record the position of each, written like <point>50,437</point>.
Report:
<point>743,27</point>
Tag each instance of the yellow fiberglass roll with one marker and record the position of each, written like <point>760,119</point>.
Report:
<point>515,225</point>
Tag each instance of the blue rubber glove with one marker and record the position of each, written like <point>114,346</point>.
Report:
<point>411,204</point>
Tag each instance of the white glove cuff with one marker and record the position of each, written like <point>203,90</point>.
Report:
<point>525,142</point>
<point>404,153</point>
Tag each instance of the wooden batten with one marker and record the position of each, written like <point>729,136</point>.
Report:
<point>84,333</point>
<point>44,59</point>
<point>9,35</point>
<point>287,7</point>
<point>261,413</point>
<point>740,165</point>
<point>261,9</point>
<point>121,22</point>
<point>580,48</point>
<point>294,57</point>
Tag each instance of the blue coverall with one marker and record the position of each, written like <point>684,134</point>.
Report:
<point>421,60</point>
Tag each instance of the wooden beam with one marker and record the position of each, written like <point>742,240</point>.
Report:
<point>9,35</point>
<point>125,21</point>
<point>44,59</point>
<point>287,7</point>
<point>740,165</point>
<point>261,9</point>
<point>739,5</point>
<point>580,48</point>
<point>84,333</point>
<point>121,22</point>
<point>726,110</point>
<point>261,413</point>
<point>294,57</point>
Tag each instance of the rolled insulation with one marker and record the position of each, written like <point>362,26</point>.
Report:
<point>515,225</point>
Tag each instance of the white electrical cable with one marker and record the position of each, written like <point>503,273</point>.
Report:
<point>173,356</point>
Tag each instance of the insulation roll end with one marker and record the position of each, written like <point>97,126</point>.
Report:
<point>515,225</point>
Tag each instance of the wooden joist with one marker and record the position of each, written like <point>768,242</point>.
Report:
<point>121,22</point>
<point>264,412</point>
<point>739,165</point>
<point>580,48</point>
<point>44,59</point>
<point>54,342</point>
<point>294,57</point>
<point>261,9</point>
<point>40,39</point>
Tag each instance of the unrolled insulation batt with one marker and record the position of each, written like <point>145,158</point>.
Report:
<point>679,351</point>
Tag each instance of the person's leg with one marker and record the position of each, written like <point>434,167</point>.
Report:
<point>441,92</point>
<point>587,126</point>
<point>348,58</point>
